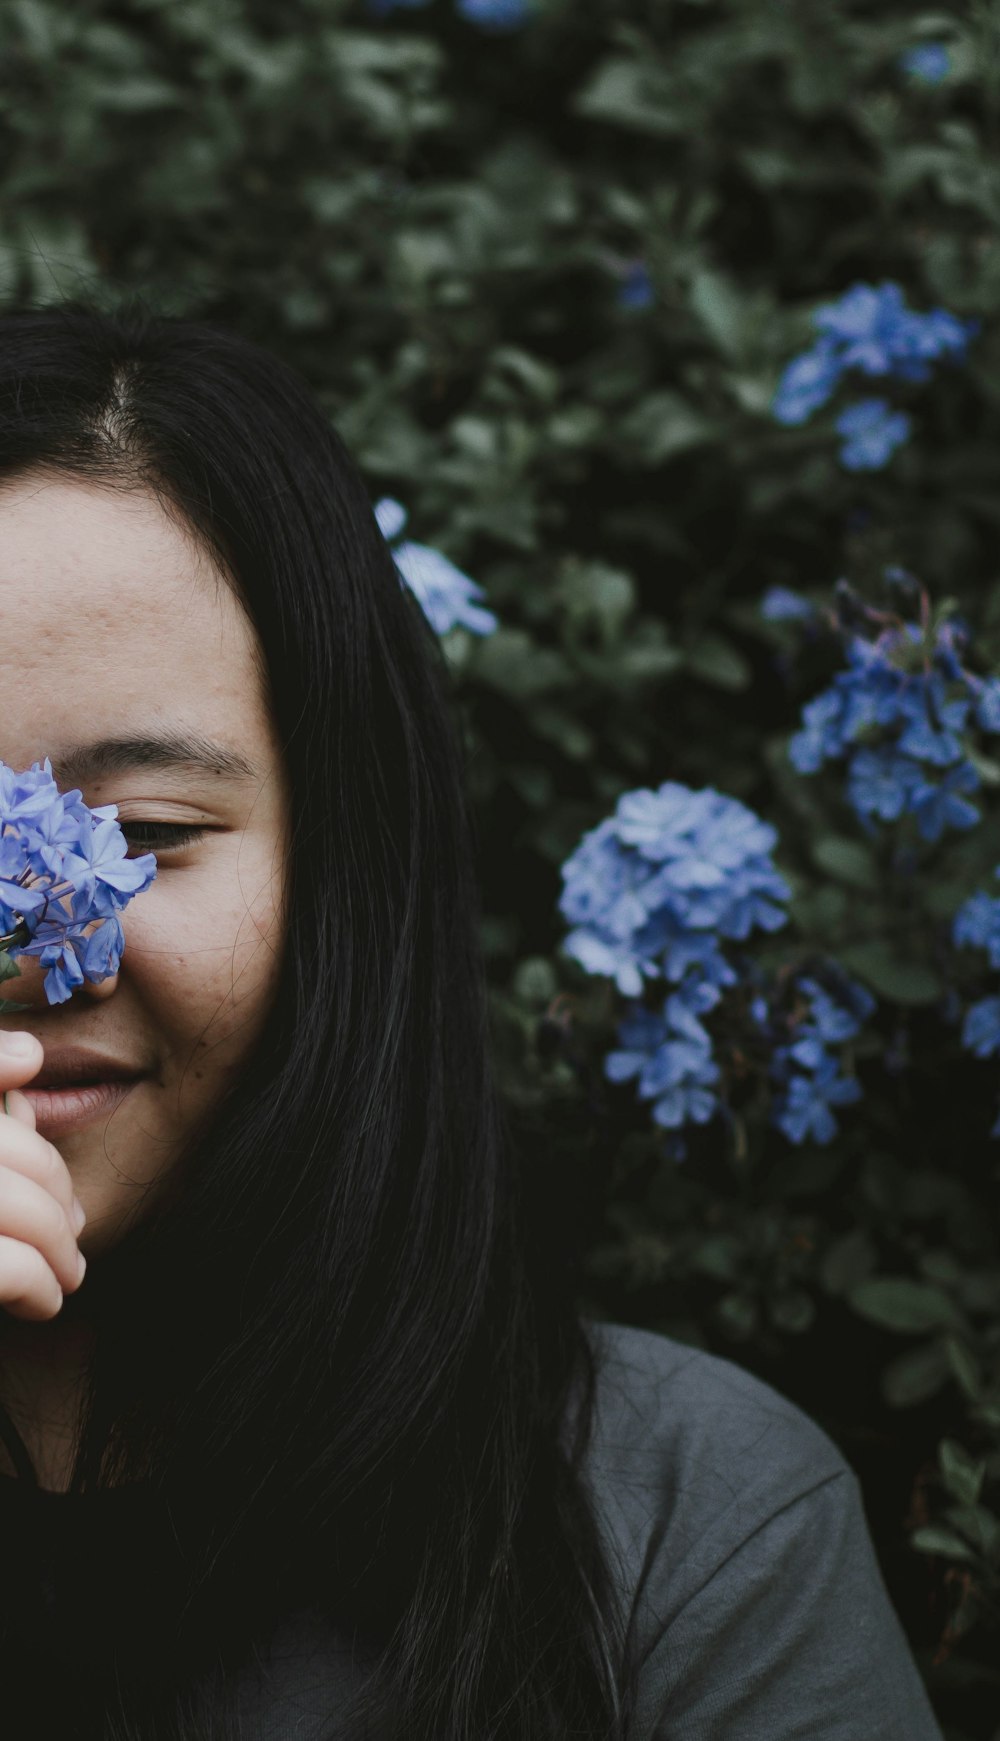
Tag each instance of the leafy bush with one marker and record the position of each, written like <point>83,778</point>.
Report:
<point>548,267</point>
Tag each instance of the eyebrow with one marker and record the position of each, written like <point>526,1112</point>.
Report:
<point>174,750</point>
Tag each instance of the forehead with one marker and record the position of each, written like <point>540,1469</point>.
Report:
<point>113,615</point>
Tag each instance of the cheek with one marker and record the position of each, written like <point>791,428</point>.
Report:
<point>204,951</point>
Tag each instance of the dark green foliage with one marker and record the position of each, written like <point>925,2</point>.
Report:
<point>434,224</point>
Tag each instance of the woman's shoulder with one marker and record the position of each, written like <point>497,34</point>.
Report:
<point>686,1413</point>
<point>737,1531</point>
<point>692,1450</point>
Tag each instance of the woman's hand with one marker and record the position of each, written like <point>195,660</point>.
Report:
<point>40,1219</point>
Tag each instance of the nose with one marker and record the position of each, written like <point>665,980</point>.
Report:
<point>29,986</point>
<point>96,992</point>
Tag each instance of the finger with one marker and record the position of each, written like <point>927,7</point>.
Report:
<point>21,1058</point>
<point>28,1287</point>
<point>29,1212</point>
<point>24,1151</point>
<point>17,1105</point>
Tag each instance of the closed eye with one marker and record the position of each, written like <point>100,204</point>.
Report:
<point>160,836</point>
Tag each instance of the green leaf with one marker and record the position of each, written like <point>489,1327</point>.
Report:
<point>964,1368</point>
<point>899,1303</point>
<point>891,976</point>
<point>535,982</point>
<point>934,1540</point>
<point>916,1375</point>
<point>717,661</point>
<point>849,861</point>
<point>623,90</point>
<point>509,660</point>
<point>848,1262</point>
<point>963,1476</point>
<point>662,425</point>
<point>794,1311</point>
<point>720,310</point>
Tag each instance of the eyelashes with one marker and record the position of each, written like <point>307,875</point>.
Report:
<point>161,836</point>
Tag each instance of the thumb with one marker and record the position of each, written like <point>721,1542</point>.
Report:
<point>17,1105</point>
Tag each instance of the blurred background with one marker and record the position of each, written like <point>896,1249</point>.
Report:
<point>650,323</point>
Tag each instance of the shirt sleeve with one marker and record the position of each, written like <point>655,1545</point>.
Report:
<point>792,1637</point>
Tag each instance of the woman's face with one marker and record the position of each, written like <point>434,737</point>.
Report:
<point>114,624</point>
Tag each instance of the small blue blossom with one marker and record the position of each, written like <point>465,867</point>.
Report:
<point>671,1054</point>
<point>898,726</point>
<point>652,893</point>
<point>807,383</point>
<point>987,702</point>
<point>976,925</point>
<point>781,605</point>
<point>928,62</point>
<point>446,595</point>
<point>981,1027</point>
<point>802,1106</point>
<point>636,287</point>
<point>804,1110</point>
<point>877,334</point>
<point>53,849</point>
<point>868,330</point>
<point>872,433</point>
<point>937,807</point>
<point>495,14</point>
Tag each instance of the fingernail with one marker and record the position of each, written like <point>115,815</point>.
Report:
<point>81,1266</point>
<point>79,1214</point>
<point>18,1045</point>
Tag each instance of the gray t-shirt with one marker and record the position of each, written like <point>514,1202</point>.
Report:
<point>735,1527</point>
<point>757,1606</point>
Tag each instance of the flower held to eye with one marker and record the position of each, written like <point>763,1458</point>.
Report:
<point>55,849</point>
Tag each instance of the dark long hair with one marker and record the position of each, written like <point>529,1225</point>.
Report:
<point>334,1350</point>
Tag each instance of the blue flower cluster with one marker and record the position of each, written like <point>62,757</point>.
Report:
<point>807,1094</point>
<point>899,697</point>
<point>781,605</point>
<point>54,848</point>
<point>868,331</point>
<point>928,62</point>
<point>446,595</point>
<point>636,287</point>
<point>650,892</point>
<point>496,15</point>
<point>977,925</point>
<point>653,891</point>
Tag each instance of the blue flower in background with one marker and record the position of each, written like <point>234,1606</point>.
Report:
<point>653,888</point>
<point>636,288</point>
<point>652,893</point>
<point>977,925</point>
<point>781,605</point>
<point>872,432</point>
<point>444,593</point>
<point>869,330</point>
<point>808,382</point>
<point>802,1108</point>
<point>912,724</point>
<point>671,1054</point>
<point>495,14</point>
<point>929,62</point>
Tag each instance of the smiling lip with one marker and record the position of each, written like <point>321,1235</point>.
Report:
<point>60,1109</point>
